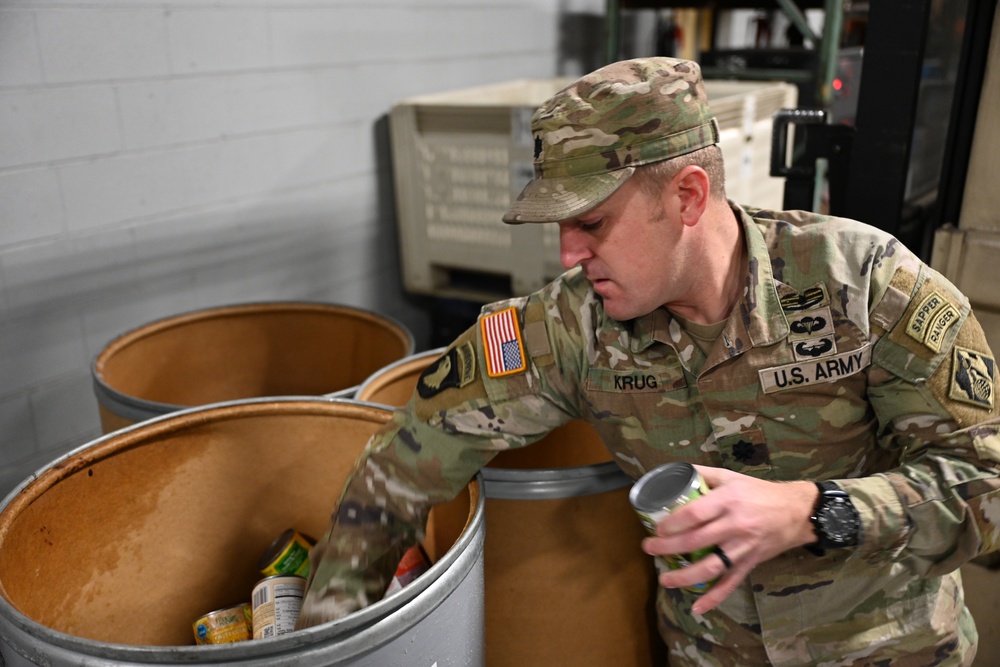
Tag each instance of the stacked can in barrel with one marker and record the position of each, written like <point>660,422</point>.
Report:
<point>275,600</point>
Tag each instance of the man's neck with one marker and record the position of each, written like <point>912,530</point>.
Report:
<point>724,275</point>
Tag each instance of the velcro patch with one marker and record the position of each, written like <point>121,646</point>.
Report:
<point>454,369</point>
<point>502,343</point>
<point>931,320</point>
<point>653,380</point>
<point>827,369</point>
<point>812,323</point>
<point>811,348</point>
<point>536,337</point>
<point>894,301</point>
<point>939,326</point>
<point>972,377</point>
<point>808,298</point>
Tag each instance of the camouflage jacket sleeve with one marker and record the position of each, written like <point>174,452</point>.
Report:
<point>932,385</point>
<point>457,420</point>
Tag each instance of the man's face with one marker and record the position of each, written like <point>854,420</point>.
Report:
<point>629,249</point>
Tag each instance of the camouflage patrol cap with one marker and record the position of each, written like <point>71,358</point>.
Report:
<point>590,136</point>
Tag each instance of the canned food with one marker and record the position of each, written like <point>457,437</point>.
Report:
<point>223,626</point>
<point>288,554</point>
<point>277,601</point>
<point>659,492</point>
<point>413,563</point>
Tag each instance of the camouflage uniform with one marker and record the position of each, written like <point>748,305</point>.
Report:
<point>847,359</point>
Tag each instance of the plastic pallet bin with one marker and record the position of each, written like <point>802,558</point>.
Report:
<point>461,157</point>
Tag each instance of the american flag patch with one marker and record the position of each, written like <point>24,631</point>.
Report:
<point>502,343</point>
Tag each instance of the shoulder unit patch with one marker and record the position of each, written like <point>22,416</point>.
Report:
<point>972,377</point>
<point>502,343</point>
<point>453,369</point>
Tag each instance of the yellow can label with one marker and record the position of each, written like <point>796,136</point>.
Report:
<point>223,626</point>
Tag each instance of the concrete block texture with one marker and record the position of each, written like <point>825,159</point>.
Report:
<point>159,157</point>
<point>87,43</point>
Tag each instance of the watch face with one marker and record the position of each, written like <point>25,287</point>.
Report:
<point>839,521</point>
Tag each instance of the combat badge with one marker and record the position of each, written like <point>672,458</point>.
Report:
<point>502,344</point>
<point>972,379</point>
<point>453,369</point>
<point>808,298</point>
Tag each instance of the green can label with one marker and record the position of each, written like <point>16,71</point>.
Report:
<point>659,492</point>
<point>289,554</point>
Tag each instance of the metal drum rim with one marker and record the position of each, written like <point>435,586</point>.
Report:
<point>140,409</point>
<point>552,483</point>
<point>357,622</point>
<point>396,365</point>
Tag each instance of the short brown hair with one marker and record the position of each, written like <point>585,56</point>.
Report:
<point>653,176</point>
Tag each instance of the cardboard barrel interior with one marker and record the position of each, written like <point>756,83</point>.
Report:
<point>566,580</point>
<point>242,351</point>
<point>119,546</point>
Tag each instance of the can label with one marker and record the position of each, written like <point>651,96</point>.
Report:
<point>288,554</point>
<point>657,494</point>
<point>277,601</point>
<point>413,563</point>
<point>223,626</point>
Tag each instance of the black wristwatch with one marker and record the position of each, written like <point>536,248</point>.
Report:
<point>835,520</point>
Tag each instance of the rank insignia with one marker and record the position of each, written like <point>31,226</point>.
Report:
<point>973,376</point>
<point>746,448</point>
<point>750,454</point>
<point>502,343</point>
<point>453,369</point>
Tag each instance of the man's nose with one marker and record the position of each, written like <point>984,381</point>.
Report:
<point>572,247</point>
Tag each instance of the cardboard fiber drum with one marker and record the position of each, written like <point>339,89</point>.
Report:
<point>242,351</point>
<point>110,553</point>
<point>566,580</point>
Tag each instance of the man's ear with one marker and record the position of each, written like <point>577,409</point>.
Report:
<point>692,188</point>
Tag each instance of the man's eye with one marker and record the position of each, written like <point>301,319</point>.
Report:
<point>591,225</point>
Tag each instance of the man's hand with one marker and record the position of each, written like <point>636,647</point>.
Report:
<point>750,519</point>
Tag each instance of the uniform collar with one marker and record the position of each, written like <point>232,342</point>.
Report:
<point>757,318</point>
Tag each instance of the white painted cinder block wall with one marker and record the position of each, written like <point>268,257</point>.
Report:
<point>162,156</point>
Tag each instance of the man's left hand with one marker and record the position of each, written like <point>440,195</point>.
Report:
<point>749,519</point>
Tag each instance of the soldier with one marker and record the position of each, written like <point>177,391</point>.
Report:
<point>837,394</point>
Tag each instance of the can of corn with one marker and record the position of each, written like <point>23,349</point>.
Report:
<point>224,626</point>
